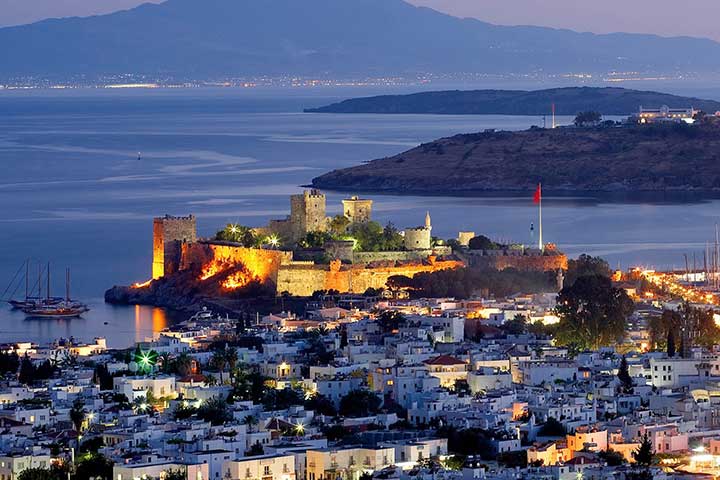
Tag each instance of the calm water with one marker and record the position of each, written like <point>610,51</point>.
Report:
<point>73,191</point>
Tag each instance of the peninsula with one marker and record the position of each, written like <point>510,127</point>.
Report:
<point>567,101</point>
<point>609,158</point>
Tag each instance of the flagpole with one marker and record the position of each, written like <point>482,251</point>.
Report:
<point>540,243</point>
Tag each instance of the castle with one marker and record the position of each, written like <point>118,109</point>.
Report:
<point>176,248</point>
<point>308,214</point>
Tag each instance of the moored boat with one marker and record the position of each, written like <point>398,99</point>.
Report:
<point>64,308</point>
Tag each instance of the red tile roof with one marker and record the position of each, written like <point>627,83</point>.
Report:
<point>444,360</point>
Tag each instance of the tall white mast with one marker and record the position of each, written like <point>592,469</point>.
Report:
<point>540,236</point>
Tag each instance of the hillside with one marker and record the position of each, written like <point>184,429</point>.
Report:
<point>631,159</point>
<point>201,38</point>
<point>568,101</point>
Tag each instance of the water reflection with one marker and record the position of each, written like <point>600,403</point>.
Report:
<point>149,320</point>
<point>120,325</point>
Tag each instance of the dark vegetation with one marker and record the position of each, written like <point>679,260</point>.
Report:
<point>636,159</point>
<point>465,282</point>
<point>569,101</point>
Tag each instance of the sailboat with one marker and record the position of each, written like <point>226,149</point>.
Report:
<point>31,299</point>
<point>65,308</point>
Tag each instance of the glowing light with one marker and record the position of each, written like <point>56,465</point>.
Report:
<point>273,241</point>
<point>300,428</point>
<point>142,285</point>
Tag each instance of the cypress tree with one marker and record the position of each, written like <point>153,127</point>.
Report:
<point>624,376</point>
<point>671,344</point>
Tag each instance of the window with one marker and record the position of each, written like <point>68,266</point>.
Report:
<point>266,470</point>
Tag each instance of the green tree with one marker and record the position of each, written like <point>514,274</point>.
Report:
<point>320,404</point>
<point>455,462</point>
<point>516,326</point>
<point>623,375</point>
<point>77,415</point>
<point>38,474</point>
<point>175,474</point>
<point>391,320</point>
<point>248,384</point>
<point>183,411</point>
<point>241,234</point>
<point>644,454</point>
<point>360,403</point>
<point>671,344</point>
<point>182,365</point>
<point>315,239</point>
<point>9,362</point>
<point>612,458</point>
<point>102,377</point>
<point>214,410</point>
<point>589,118</point>
<point>586,266</point>
<point>592,313</point>
<point>552,428</point>
<point>481,242</point>
<point>281,399</point>
<point>339,225</point>
<point>255,450</point>
<point>93,465</point>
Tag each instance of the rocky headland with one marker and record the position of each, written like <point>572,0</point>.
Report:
<point>631,158</point>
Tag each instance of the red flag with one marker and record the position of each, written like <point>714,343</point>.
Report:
<point>538,194</point>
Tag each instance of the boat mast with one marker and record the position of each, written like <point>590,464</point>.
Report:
<point>39,280</point>
<point>27,278</point>
<point>48,281</point>
<point>67,284</point>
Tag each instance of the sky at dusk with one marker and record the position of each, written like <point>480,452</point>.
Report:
<point>662,17</point>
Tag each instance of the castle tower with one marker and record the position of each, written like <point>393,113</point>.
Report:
<point>357,210</point>
<point>307,213</point>
<point>169,233</point>
<point>419,238</point>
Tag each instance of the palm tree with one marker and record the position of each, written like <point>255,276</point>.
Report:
<point>231,359</point>
<point>77,415</point>
<point>183,364</point>
<point>219,362</point>
<point>164,360</point>
<point>251,421</point>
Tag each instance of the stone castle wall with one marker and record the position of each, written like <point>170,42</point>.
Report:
<point>503,260</point>
<point>400,256</point>
<point>305,279</point>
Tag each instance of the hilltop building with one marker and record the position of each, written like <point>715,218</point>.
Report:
<point>666,114</point>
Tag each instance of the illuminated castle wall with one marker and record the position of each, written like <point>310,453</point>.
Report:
<point>304,278</point>
<point>169,233</point>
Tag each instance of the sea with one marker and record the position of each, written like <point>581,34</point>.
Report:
<point>85,171</point>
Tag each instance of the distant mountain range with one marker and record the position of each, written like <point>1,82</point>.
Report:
<point>202,38</point>
<point>568,101</point>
